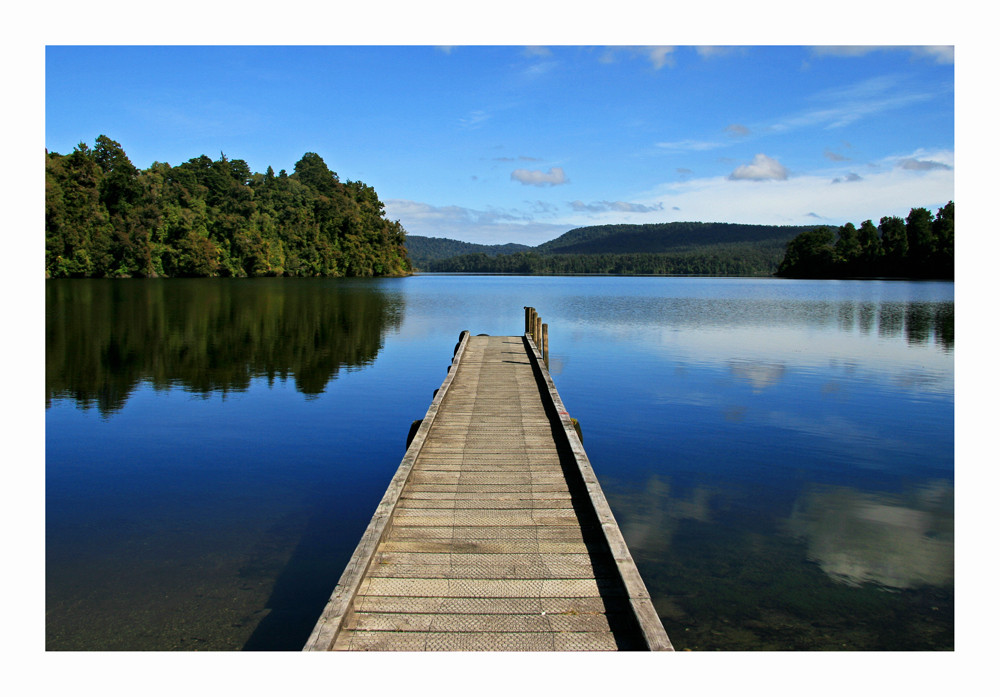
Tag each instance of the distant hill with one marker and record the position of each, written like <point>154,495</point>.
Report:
<point>425,250</point>
<point>658,238</point>
<point>659,248</point>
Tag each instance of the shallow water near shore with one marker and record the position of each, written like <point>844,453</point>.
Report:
<point>779,454</point>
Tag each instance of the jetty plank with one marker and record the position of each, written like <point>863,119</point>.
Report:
<point>494,534</point>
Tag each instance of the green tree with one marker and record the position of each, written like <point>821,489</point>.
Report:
<point>894,242</point>
<point>871,246</point>
<point>810,255</point>
<point>919,239</point>
<point>944,241</point>
<point>312,171</point>
<point>848,247</point>
<point>119,185</point>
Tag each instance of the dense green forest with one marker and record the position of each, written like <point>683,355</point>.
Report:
<point>715,249</point>
<point>106,218</point>
<point>922,246</point>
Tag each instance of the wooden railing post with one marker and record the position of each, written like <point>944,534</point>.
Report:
<point>545,345</point>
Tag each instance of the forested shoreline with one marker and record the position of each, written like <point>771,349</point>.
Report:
<point>712,261</point>
<point>105,218</point>
<point>921,246</point>
<point>677,248</point>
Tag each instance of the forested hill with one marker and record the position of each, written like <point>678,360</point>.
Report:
<point>660,248</point>
<point>658,238</point>
<point>424,250</point>
<point>106,218</point>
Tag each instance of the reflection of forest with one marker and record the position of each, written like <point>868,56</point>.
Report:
<point>918,321</point>
<point>207,335</point>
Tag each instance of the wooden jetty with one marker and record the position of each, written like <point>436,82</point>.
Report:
<point>494,534</point>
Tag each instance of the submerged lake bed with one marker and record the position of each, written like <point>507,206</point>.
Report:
<point>779,454</point>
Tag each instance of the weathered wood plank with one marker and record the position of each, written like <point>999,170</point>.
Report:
<point>491,588</point>
<point>467,622</point>
<point>478,641</point>
<point>500,606</point>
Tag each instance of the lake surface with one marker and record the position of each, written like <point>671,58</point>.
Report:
<point>779,453</point>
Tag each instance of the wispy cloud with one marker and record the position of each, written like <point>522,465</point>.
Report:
<point>475,119</point>
<point>658,56</point>
<point>848,104</point>
<point>944,55</point>
<point>855,102</point>
<point>737,130</point>
<point>537,51</point>
<point>849,177</point>
<point>535,177</point>
<point>922,165</point>
<point>719,51</point>
<point>689,144</point>
<point>619,206</point>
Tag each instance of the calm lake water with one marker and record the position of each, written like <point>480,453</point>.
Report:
<point>778,453</point>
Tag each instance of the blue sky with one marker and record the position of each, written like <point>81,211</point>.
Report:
<point>520,144</point>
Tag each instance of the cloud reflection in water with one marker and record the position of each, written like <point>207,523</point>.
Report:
<point>859,537</point>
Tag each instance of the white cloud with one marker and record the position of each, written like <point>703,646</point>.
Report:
<point>885,189</point>
<point>799,200</point>
<point>659,55</point>
<point>762,168</point>
<point>536,177</point>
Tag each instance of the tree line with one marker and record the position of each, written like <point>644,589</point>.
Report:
<point>106,218</point>
<point>921,246</point>
<point>717,260</point>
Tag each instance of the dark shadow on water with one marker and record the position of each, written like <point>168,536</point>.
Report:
<point>305,583</point>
